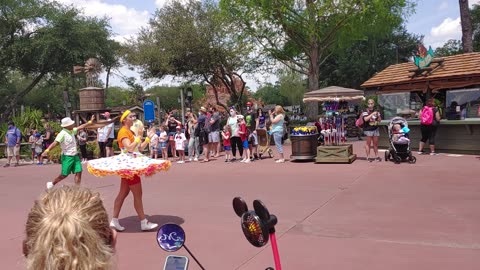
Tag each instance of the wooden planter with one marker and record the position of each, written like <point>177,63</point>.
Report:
<point>335,154</point>
<point>304,147</point>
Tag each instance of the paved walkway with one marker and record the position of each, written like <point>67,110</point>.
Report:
<point>359,216</point>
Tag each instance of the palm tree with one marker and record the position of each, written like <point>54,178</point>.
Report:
<point>467,33</point>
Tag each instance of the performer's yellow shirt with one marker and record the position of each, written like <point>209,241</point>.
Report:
<point>124,133</point>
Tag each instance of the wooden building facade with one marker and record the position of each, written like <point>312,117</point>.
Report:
<point>453,81</point>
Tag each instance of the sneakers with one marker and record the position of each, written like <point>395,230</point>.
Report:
<point>280,161</point>
<point>116,225</point>
<point>49,185</point>
<point>420,152</point>
<point>195,159</point>
<point>190,159</point>
<point>180,162</point>
<point>147,225</point>
<point>433,154</point>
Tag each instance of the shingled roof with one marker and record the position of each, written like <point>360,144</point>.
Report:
<point>449,72</point>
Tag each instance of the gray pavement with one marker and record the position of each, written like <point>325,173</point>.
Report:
<point>331,216</point>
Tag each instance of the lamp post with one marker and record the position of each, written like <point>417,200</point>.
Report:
<point>190,97</point>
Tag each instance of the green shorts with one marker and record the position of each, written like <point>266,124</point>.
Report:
<point>71,164</point>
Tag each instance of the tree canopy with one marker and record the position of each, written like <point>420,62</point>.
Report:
<point>193,41</point>
<point>304,34</point>
<point>44,40</point>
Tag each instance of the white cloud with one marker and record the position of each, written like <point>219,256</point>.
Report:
<point>443,5</point>
<point>161,3</point>
<point>123,20</point>
<point>439,35</point>
<point>474,2</point>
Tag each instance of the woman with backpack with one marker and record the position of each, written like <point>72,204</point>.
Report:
<point>429,121</point>
<point>371,118</point>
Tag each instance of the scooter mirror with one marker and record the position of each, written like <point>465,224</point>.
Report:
<point>171,237</point>
<point>254,229</point>
<point>239,206</point>
<point>261,210</point>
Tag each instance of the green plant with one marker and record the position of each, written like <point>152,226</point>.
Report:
<point>55,154</point>
<point>115,146</point>
<point>93,149</point>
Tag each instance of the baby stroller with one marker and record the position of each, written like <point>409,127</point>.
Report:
<point>263,143</point>
<point>398,152</point>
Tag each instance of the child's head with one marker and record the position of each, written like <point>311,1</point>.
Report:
<point>226,128</point>
<point>397,127</point>
<point>153,129</point>
<point>179,129</point>
<point>163,128</point>
<point>240,119</point>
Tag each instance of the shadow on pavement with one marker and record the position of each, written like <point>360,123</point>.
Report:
<point>132,223</point>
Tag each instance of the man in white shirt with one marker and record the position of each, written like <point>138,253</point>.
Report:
<point>71,163</point>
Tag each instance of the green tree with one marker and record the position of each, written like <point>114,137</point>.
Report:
<point>194,41</point>
<point>44,39</point>
<point>117,96</point>
<point>475,13</point>
<point>352,66</point>
<point>452,47</point>
<point>292,86</point>
<point>301,34</point>
<point>270,94</point>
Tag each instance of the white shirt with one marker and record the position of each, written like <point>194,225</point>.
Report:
<point>112,133</point>
<point>67,141</point>
<point>180,140</point>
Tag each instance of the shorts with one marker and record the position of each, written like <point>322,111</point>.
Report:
<point>252,139</point>
<point>214,137</point>
<point>13,151</point>
<point>109,142</point>
<point>371,133</point>
<point>227,148</point>
<point>71,164</point>
<point>245,144</point>
<point>135,180</point>
<point>162,145</point>
<point>171,135</point>
<point>153,148</point>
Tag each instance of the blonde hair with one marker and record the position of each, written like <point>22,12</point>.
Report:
<point>279,110</point>
<point>67,228</point>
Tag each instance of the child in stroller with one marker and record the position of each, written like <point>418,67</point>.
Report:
<point>399,143</point>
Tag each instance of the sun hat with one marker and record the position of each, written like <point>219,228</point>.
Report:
<point>202,109</point>
<point>66,122</point>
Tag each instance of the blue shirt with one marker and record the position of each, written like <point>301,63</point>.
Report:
<point>13,136</point>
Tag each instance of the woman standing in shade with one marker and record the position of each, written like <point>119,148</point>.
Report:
<point>277,117</point>
<point>235,139</point>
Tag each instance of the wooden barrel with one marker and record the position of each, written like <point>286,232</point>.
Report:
<point>92,98</point>
<point>304,147</point>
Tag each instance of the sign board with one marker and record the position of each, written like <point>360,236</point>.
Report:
<point>423,57</point>
<point>149,110</point>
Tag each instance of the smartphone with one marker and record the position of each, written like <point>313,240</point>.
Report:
<point>176,263</point>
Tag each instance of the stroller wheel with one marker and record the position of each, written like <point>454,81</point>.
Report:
<point>412,160</point>
<point>387,155</point>
<point>259,156</point>
<point>397,159</point>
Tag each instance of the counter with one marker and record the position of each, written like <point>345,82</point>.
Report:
<point>453,136</point>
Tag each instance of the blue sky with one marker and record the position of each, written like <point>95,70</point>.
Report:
<point>437,20</point>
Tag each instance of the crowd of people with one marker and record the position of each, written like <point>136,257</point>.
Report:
<point>206,132</point>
